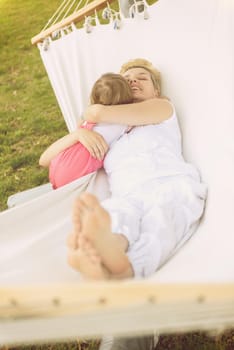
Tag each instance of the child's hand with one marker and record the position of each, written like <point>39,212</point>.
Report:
<point>93,142</point>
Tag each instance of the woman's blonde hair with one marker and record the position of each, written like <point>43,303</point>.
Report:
<point>111,89</point>
<point>142,63</point>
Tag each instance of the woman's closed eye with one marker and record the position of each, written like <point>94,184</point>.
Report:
<point>142,77</point>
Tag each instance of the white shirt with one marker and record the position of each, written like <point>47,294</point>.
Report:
<point>146,153</point>
<point>110,132</point>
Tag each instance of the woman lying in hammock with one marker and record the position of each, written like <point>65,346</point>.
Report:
<point>156,197</point>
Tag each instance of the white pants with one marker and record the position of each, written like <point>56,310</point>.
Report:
<point>155,218</point>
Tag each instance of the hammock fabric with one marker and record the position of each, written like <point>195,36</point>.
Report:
<point>191,44</point>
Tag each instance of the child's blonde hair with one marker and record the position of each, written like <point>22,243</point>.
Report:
<point>111,89</point>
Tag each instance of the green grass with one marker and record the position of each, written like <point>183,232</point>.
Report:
<point>29,115</point>
<point>30,120</point>
<point>76,345</point>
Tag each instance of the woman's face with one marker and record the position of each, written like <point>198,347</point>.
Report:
<point>141,84</point>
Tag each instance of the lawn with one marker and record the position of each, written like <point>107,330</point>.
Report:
<point>30,120</point>
<point>29,115</point>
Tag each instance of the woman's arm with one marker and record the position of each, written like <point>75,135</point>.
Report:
<point>91,140</point>
<point>151,111</point>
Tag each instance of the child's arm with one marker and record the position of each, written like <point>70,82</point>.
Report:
<point>91,140</point>
<point>58,146</point>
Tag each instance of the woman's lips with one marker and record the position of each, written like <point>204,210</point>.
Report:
<point>135,88</point>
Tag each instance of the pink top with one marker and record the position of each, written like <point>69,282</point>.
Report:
<point>73,163</point>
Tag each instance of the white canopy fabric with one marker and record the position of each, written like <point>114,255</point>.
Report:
<point>191,42</point>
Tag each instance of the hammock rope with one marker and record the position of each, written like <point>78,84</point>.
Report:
<point>66,8</point>
<point>72,18</point>
<point>78,6</point>
<point>65,17</point>
<point>56,15</point>
<point>69,8</point>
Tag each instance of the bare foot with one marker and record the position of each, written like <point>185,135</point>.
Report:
<point>95,224</point>
<point>87,262</point>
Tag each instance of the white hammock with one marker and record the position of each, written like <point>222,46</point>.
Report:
<point>191,43</point>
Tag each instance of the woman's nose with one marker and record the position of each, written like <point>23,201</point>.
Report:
<point>131,80</point>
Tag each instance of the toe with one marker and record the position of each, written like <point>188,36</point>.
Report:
<point>72,241</point>
<point>74,259</point>
<point>78,208</point>
<point>89,200</point>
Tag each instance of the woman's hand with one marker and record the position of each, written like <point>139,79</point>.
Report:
<point>93,142</point>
